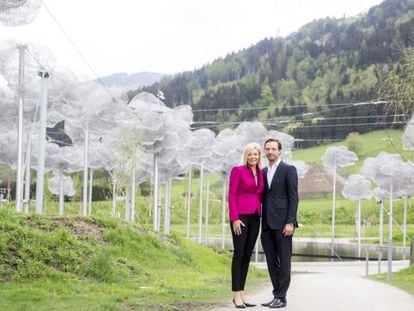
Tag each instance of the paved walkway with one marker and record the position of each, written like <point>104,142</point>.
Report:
<point>339,286</point>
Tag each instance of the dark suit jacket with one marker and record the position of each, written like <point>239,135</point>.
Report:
<point>280,202</point>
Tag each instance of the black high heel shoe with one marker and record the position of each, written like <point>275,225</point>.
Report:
<point>242,306</point>
<point>249,305</point>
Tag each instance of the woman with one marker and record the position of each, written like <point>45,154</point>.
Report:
<point>245,189</point>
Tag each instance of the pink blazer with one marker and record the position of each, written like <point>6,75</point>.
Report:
<point>244,194</point>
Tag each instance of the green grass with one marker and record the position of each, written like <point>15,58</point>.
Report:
<point>373,143</point>
<point>67,263</point>
<point>403,279</point>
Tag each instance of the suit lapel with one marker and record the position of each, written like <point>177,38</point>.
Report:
<point>264,171</point>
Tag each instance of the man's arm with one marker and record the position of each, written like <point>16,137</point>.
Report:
<point>292,192</point>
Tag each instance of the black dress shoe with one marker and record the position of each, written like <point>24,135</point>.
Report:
<point>266,304</point>
<point>249,305</point>
<point>278,303</point>
<point>242,306</point>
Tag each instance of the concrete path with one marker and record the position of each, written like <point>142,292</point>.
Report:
<point>339,286</point>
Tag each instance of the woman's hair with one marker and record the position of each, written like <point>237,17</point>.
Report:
<point>250,148</point>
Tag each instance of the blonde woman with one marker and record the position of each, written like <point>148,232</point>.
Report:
<point>245,190</point>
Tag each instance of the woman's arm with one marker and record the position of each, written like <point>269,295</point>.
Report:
<point>233,188</point>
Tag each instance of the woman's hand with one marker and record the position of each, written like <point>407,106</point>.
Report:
<point>237,226</point>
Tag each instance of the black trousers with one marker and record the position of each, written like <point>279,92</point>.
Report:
<point>243,245</point>
<point>278,252</point>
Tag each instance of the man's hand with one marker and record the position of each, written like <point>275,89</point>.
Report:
<point>237,226</point>
<point>288,230</point>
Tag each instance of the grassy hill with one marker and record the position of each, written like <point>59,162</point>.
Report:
<point>76,263</point>
<point>372,143</point>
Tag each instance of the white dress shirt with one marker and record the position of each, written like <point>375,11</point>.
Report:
<point>271,171</point>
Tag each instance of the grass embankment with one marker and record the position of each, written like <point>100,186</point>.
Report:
<point>72,263</point>
<point>403,279</point>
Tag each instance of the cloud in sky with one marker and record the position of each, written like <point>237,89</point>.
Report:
<point>166,36</point>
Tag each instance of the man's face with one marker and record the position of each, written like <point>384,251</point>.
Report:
<point>272,151</point>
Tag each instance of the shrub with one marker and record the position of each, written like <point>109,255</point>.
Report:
<point>354,142</point>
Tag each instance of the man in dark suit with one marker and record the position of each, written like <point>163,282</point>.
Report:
<point>279,208</point>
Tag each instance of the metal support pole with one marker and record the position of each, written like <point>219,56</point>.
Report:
<point>85,174</point>
<point>114,198</point>
<point>61,192</point>
<point>333,211</point>
<point>189,202</point>
<point>359,228</point>
<point>366,262</point>
<point>40,178</point>
<point>169,203</point>
<point>133,186</point>
<point>90,191</point>
<point>155,192</point>
<point>200,206</point>
<point>159,208</point>
<point>379,262</point>
<point>207,206</point>
<point>223,212</point>
<point>389,274</point>
<point>390,214</point>
<point>405,226</point>
<point>127,203</point>
<point>166,207</point>
<point>26,200</point>
<point>381,223</point>
<point>389,260</point>
<point>19,177</point>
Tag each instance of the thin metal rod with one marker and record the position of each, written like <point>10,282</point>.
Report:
<point>27,184</point>
<point>19,177</point>
<point>207,206</point>
<point>223,212</point>
<point>200,206</point>
<point>40,178</point>
<point>90,191</point>
<point>85,174</point>
<point>189,202</point>
<point>333,210</point>
<point>61,192</point>
<point>155,190</point>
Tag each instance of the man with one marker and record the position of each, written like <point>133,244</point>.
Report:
<point>279,208</point>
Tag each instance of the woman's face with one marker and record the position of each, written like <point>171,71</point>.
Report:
<point>253,158</point>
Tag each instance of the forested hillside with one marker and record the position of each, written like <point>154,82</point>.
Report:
<point>303,83</point>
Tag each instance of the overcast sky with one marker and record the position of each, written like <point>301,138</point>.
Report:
<point>166,36</point>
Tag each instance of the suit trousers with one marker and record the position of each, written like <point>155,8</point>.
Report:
<point>278,252</point>
<point>243,245</point>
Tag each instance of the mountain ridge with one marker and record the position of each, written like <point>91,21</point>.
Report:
<point>131,80</point>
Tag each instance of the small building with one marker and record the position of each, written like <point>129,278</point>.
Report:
<point>319,180</point>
